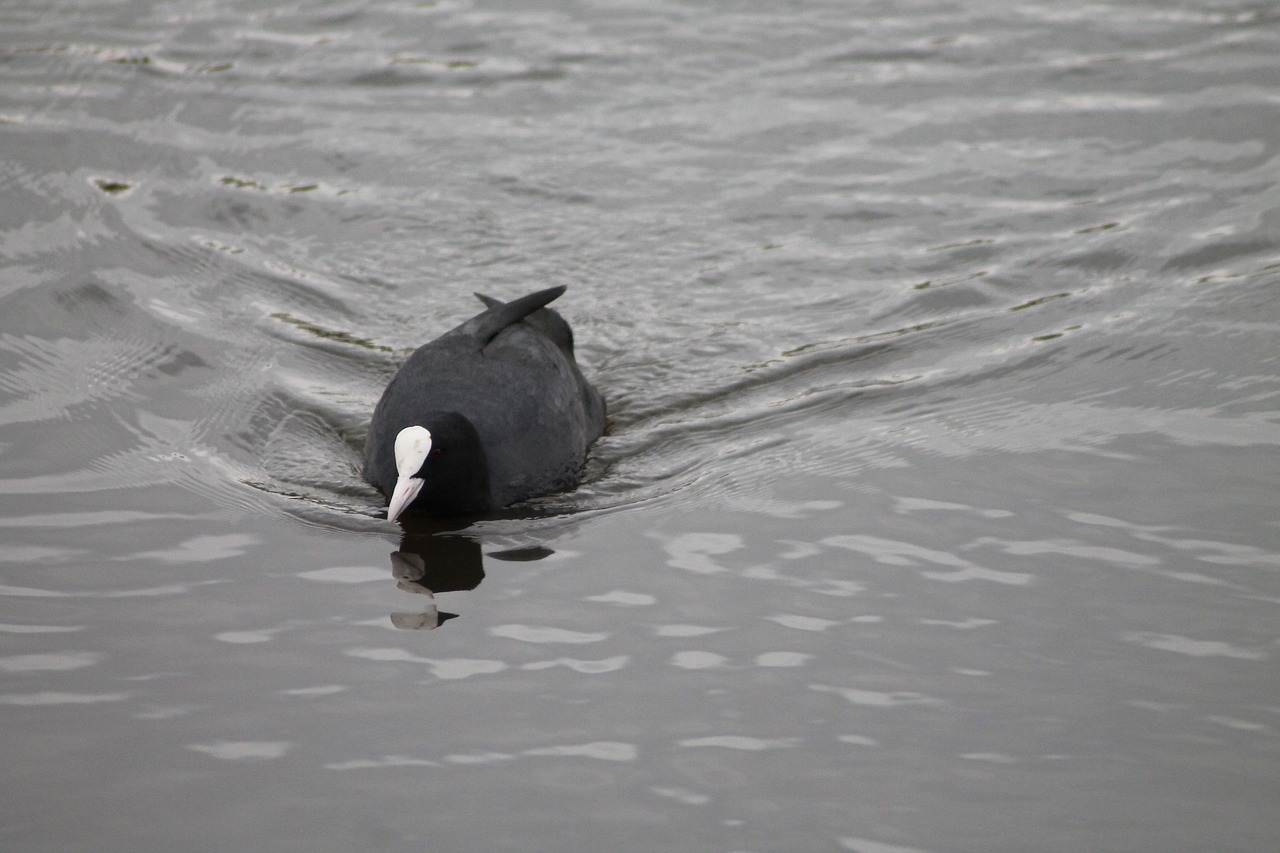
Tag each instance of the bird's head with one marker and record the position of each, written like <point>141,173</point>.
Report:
<point>413,447</point>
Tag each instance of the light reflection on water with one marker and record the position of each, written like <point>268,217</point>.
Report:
<point>940,483</point>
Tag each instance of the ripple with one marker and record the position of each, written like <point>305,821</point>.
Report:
<point>203,549</point>
<point>875,698</point>
<point>53,378</point>
<point>30,592</point>
<point>803,623</point>
<point>49,661</point>
<point>58,698</point>
<point>389,761</point>
<point>1079,550</point>
<point>77,520</point>
<point>686,630</point>
<point>623,598</point>
<point>866,845</point>
<point>699,660</point>
<point>10,628</point>
<point>241,638</point>
<point>908,504</point>
<point>587,667</point>
<point>895,553</point>
<point>604,750</point>
<point>448,669</point>
<point>1193,648</point>
<point>693,552</point>
<point>140,592</point>
<point>742,742</point>
<point>243,750</point>
<point>681,795</point>
<point>783,659</point>
<point>318,690</point>
<point>989,757</point>
<point>477,758</point>
<point>345,574</point>
<point>541,634</point>
<point>1237,724</point>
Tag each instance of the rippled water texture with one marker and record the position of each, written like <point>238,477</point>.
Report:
<point>938,508</point>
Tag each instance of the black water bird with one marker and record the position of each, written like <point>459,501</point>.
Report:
<point>486,415</point>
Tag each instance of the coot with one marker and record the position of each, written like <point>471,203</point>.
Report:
<point>486,415</point>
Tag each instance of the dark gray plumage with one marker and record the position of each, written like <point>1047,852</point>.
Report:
<point>509,415</point>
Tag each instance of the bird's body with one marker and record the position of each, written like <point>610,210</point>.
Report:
<point>503,412</point>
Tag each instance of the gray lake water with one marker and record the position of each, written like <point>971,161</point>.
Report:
<point>938,508</point>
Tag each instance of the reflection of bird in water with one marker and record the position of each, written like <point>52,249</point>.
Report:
<point>428,563</point>
<point>434,558</point>
<point>487,415</point>
<point>409,570</point>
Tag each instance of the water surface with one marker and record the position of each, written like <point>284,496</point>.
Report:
<point>937,510</point>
